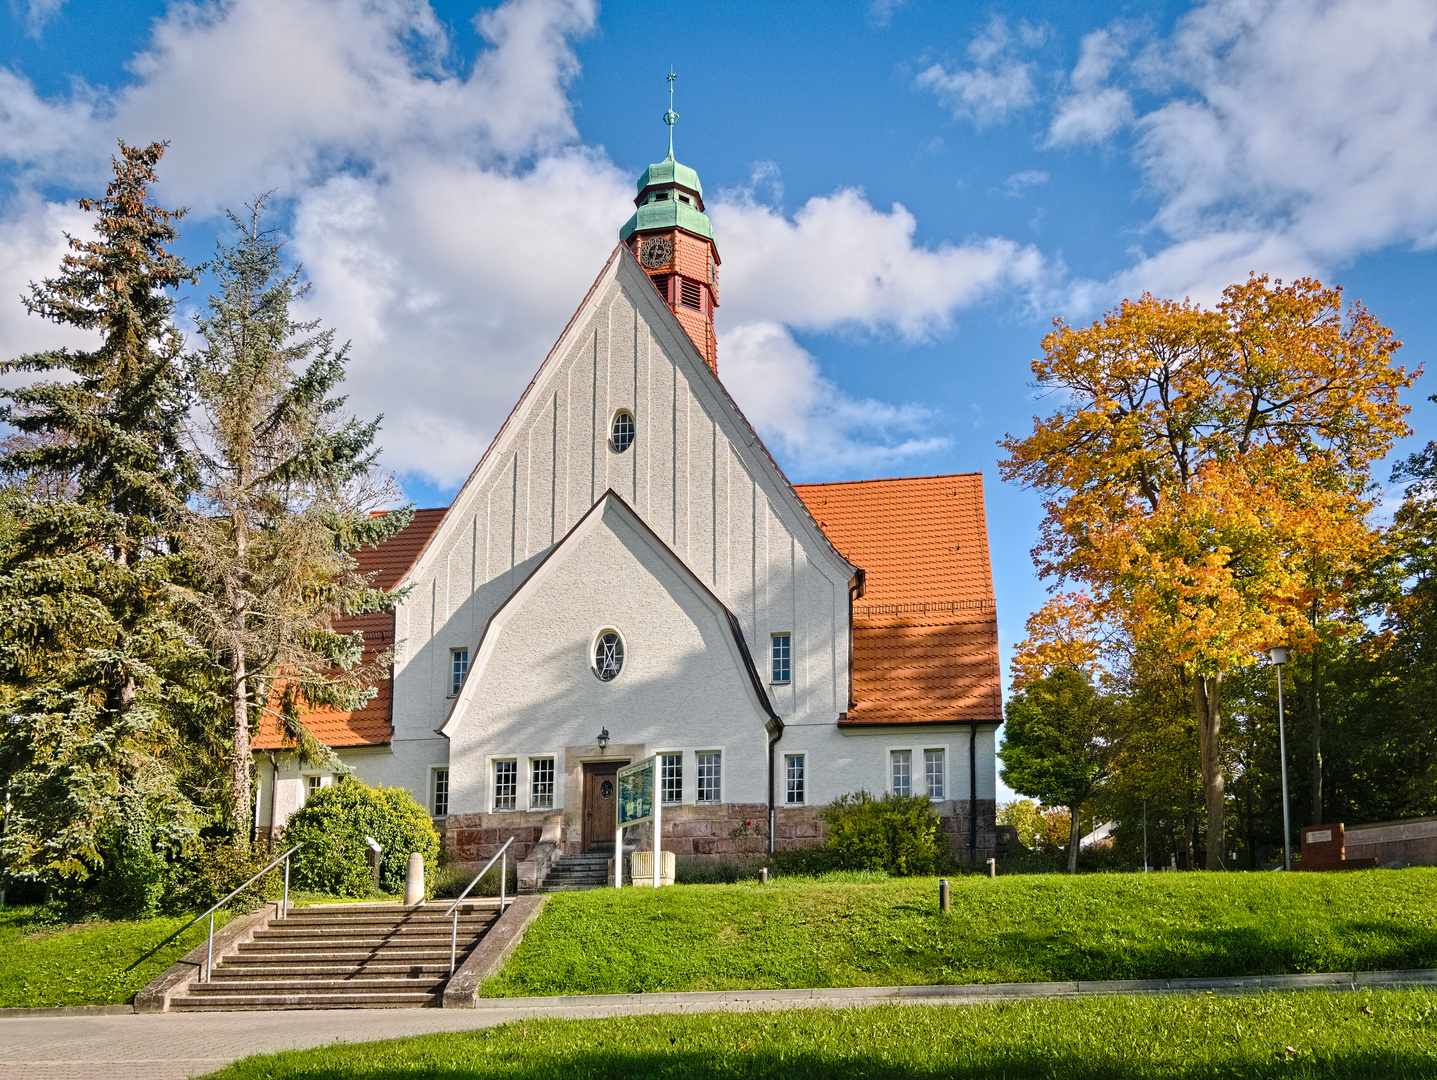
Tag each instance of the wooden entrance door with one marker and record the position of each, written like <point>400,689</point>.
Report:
<point>600,805</point>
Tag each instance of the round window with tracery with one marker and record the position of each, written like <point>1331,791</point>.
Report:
<point>608,655</point>
<point>621,432</point>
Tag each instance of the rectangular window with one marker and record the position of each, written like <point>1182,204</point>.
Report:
<point>782,654</point>
<point>902,772</point>
<point>459,668</point>
<point>506,785</point>
<point>311,786</point>
<point>793,775</point>
<point>541,783</point>
<point>671,777</point>
<point>692,293</point>
<point>710,777</point>
<point>933,771</point>
<point>441,792</point>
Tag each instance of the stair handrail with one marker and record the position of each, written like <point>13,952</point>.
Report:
<point>283,911</point>
<point>502,857</point>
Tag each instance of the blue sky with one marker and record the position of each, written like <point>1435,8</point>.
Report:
<point>904,194</point>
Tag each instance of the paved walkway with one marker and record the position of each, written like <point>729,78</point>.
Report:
<point>173,1046</point>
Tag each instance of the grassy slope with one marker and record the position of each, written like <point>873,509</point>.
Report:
<point>1388,1034</point>
<point>1017,929</point>
<point>90,963</point>
<point>85,964</point>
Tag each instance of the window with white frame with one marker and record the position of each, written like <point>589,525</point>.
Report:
<point>671,777</point>
<point>312,784</point>
<point>458,668</point>
<point>782,667</point>
<point>710,770</point>
<point>506,785</point>
<point>541,783</point>
<point>793,767</point>
<point>902,771</point>
<point>934,773</point>
<point>440,802</point>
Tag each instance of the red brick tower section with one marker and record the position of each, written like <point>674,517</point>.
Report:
<point>672,238</point>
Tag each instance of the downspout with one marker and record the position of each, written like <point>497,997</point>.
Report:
<point>856,588</point>
<point>972,794</point>
<point>273,796</point>
<point>774,736</point>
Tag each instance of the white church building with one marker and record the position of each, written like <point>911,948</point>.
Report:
<point>627,572</point>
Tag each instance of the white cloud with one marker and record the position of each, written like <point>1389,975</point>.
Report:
<point>1287,137</point>
<point>32,238</point>
<point>450,224</point>
<point>839,262</point>
<point>1092,110</point>
<point>1019,182</point>
<point>38,13</point>
<point>998,83</point>
<point>804,417</point>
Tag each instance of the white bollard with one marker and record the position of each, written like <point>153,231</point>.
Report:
<point>414,880</point>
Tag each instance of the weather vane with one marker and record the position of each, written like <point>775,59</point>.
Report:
<point>671,117</point>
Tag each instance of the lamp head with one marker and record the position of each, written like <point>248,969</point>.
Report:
<point>603,740</point>
<point>1277,655</point>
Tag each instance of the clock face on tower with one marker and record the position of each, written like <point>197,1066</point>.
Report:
<point>655,252</point>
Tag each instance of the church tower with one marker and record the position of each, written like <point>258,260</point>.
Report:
<point>673,240</point>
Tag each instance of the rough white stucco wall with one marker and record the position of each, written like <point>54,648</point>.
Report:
<point>533,691</point>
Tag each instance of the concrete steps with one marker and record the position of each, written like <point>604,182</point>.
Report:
<point>352,956</point>
<point>575,872</point>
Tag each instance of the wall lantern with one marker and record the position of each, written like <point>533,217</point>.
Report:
<point>603,740</point>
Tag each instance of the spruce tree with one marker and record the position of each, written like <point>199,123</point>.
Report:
<point>96,676</point>
<point>287,481</point>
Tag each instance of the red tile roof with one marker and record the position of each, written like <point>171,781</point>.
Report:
<point>925,632</point>
<point>371,725</point>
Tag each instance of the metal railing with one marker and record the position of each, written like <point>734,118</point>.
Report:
<point>283,910</point>
<point>502,856</point>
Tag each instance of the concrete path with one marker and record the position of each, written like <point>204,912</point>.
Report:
<point>173,1046</point>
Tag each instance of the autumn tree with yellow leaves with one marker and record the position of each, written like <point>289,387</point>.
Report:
<point>1206,478</point>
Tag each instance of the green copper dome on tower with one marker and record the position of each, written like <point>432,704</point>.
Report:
<point>670,195</point>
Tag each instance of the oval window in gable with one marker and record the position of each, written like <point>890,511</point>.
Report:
<point>621,431</point>
<point>608,655</point>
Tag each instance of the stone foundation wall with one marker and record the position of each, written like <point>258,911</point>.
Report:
<point>724,831</point>
<point>954,815</point>
<point>475,838</point>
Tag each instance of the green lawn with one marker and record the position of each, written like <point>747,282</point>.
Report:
<point>1343,1036</point>
<point>1016,929</point>
<point>91,963</point>
<point>86,964</point>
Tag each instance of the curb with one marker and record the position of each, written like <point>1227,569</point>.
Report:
<point>969,992</point>
<point>69,1010</point>
<point>963,994</point>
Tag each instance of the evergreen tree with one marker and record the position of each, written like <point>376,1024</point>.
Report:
<point>97,680</point>
<point>286,485</point>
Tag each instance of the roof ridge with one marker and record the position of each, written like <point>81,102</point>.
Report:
<point>890,479</point>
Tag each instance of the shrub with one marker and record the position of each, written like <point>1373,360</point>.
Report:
<point>449,881</point>
<point>896,833</point>
<point>213,867</point>
<point>806,861</point>
<point>691,871</point>
<point>332,826</point>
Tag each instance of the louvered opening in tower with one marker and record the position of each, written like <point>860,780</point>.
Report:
<point>692,293</point>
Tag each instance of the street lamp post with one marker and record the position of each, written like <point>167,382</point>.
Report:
<point>1277,656</point>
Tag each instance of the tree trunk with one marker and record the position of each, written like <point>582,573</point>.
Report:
<point>240,761</point>
<point>1075,834</point>
<point>1207,701</point>
<point>1190,841</point>
<point>1314,712</point>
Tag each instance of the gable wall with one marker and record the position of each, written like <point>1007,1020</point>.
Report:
<point>692,477</point>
